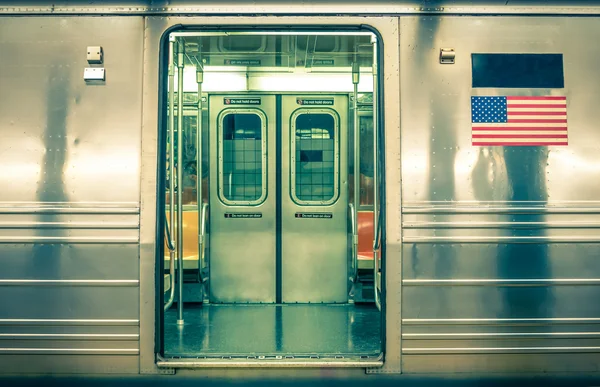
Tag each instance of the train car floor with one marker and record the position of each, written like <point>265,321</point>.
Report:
<point>297,330</point>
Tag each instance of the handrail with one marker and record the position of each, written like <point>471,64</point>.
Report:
<point>353,222</point>
<point>171,221</point>
<point>354,207</point>
<point>377,235</point>
<point>171,248</point>
<point>202,238</point>
<point>376,210</point>
<point>199,172</point>
<point>180,64</point>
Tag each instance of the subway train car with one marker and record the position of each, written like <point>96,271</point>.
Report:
<point>346,188</point>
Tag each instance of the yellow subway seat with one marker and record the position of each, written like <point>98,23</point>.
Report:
<point>190,241</point>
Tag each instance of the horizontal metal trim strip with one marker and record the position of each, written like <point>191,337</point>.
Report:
<point>40,282</point>
<point>502,282</point>
<point>283,363</point>
<point>498,210</point>
<point>500,321</point>
<point>71,336</point>
<point>69,208</point>
<point>498,335</point>
<point>498,225</point>
<point>258,8</point>
<point>69,225</point>
<point>70,240</point>
<point>68,351</point>
<point>508,350</point>
<point>500,239</point>
<point>68,322</point>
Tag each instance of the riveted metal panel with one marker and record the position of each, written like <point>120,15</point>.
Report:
<point>316,7</point>
<point>500,243</point>
<point>69,207</point>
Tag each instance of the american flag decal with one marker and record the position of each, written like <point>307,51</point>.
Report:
<point>519,121</point>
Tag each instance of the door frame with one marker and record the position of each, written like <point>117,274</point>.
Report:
<point>153,139</point>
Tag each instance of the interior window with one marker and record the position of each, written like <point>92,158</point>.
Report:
<point>242,168</point>
<point>242,43</point>
<point>318,43</point>
<point>315,153</point>
<point>366,160</point>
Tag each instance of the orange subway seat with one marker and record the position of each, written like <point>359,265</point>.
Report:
<point>365,239</point>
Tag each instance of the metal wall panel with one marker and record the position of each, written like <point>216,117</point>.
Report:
<point>315,7</point>
<point>499,243</point>
<point>69,207</point>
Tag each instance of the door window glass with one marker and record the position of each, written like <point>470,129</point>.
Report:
<point>314,148</point>
<point>242,173</point>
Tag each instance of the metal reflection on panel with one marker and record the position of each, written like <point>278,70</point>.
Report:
<point>498,240</point>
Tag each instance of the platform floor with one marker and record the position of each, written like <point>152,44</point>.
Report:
<point>264,330</point>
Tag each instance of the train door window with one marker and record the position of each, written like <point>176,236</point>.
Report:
<point>189,156</point>
<point>320,43</point>
<point>246,43</point>
<point>365,122</point>
<point>242,157</point>
<point>315,155</point>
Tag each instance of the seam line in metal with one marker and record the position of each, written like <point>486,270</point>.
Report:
<point>476,350</point>
<point>499,321</point>
<point>498,335</point>
<point>74,240</point>
<point>105,351</point>
<point>70,322</point>
<point>71,336</point>
<point>40,282</point>
<point>499,239</point>
<point>68,225</point>
<point>501,282</point>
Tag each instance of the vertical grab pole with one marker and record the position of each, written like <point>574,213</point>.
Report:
<point>171,171</point>
<point>376,225</point>
<point>180,54</point>
<point>199,81</point>
<point>355,81</point>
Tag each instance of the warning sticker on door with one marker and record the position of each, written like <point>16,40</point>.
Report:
<point>314,215</point>
<point>243,215</point>
<point>314,102</point>
<point>242,62</point>
<point>241,101</point>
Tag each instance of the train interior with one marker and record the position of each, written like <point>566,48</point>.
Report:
<point>271,197</point>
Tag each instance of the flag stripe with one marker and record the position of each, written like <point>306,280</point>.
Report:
<point>517,125</point>
<point>530,143</point>
<point>514,110</point>
<point>542,113</point>
<point>495,132</point>
<point>522,121</point>
<point>518,128</point>
<point>533,105</point>
<point>546,98</point>
<point>519,136</point>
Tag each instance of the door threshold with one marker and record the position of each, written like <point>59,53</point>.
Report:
<point>275,361</point>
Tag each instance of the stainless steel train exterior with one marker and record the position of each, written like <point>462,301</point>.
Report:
<point>491,254</point>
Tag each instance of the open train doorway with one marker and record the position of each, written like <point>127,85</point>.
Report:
<point>271,198</point>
